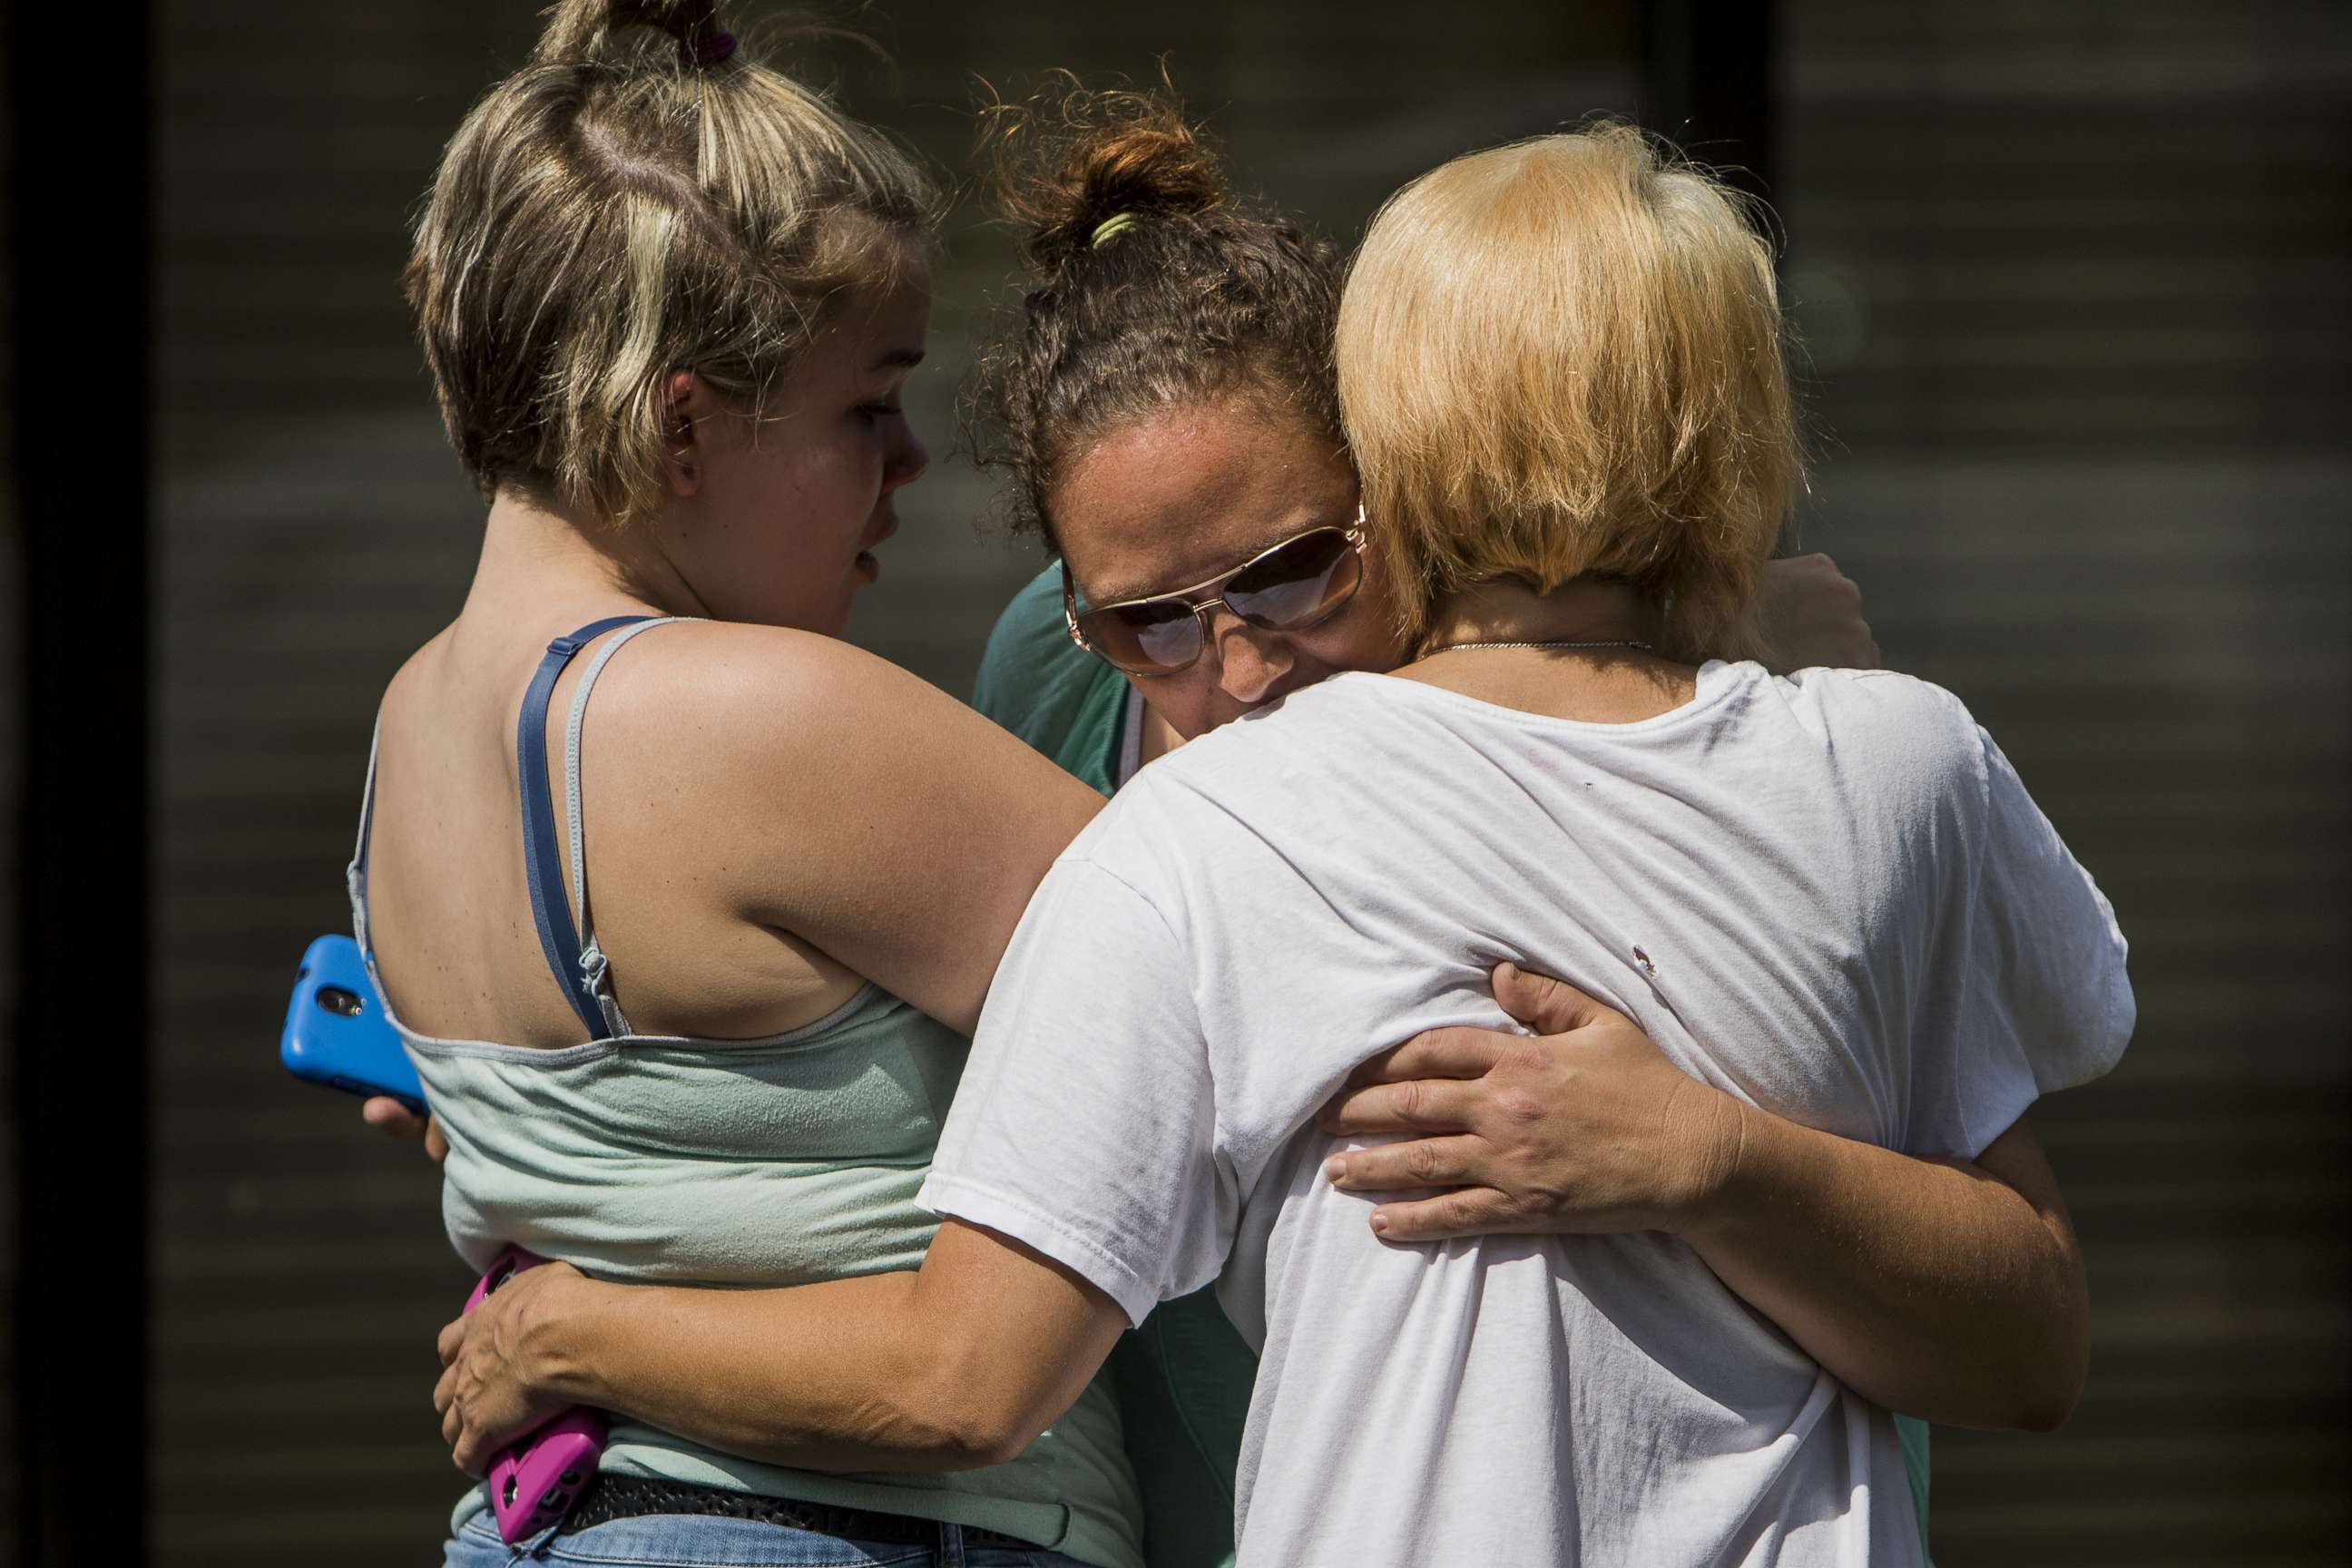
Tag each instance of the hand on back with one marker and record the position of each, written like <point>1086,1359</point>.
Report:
<point>1813,616</point>
<point>1584,1128</point>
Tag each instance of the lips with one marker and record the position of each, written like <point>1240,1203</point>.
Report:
<point>865,566</point>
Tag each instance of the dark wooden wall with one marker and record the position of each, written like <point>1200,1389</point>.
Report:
<point>11,738</point>
<point>2074,282</point>
<point>2071,281</point>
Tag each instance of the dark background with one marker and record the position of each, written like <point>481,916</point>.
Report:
<point>2072,280</point>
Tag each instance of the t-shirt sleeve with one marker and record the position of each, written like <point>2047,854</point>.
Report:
<point>1086,1124</point>
<point>2046,1003</point>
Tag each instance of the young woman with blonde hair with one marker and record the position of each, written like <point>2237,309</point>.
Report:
<point>1823,897</point>
<point>686,969</point>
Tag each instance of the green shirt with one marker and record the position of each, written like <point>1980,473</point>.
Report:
<point>1184,1377</point>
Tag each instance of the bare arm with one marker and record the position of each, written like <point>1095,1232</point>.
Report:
<point>1944,1288</point>
<point>961,1363</point>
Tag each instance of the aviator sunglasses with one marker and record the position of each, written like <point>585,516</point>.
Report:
<point>1300,582</point>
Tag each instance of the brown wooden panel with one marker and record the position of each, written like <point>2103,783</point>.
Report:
<point>2073,280</point>
<point>11,740</point>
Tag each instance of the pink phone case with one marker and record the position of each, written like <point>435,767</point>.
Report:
<point>534,1483</point>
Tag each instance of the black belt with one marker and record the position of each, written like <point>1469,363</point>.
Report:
<point>610,1496</point>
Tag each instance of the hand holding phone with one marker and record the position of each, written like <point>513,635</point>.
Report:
<point>390,1117</point>
<point>338,1032</point>
<point>535,1480</point>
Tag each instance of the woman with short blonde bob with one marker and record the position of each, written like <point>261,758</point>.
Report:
<point>1562,360</point>
<point>1825,896</point>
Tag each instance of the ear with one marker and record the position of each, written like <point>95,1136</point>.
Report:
<point>685,401</point>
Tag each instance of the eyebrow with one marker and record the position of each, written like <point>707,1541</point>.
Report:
<point>900,359</point>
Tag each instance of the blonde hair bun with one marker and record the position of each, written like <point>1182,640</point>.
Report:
<point>580,30</point>
<point>616,211</point>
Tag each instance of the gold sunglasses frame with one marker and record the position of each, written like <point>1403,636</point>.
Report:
<point>1204,595</point>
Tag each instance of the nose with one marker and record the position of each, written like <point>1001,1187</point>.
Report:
<point>904,460</point>
<point>1251,663</point>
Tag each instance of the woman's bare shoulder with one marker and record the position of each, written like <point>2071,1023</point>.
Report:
<point>823,790</point>
<point>763,694</point>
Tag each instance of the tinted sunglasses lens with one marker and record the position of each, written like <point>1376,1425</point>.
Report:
<point>1150,636</point>
<point>1298,584</point>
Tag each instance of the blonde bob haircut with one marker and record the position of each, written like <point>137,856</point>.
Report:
<point>641,197</point>
<point>1561,358</point>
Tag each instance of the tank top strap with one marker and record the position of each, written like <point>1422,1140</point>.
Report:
<point>355,878</point>
<point>595,975</point>
<point>550,908</point>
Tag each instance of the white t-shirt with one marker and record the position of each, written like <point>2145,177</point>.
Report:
<point>1847,912</point>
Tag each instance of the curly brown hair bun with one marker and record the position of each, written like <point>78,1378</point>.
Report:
<point>1152,285</point>
<point>1062,174</point>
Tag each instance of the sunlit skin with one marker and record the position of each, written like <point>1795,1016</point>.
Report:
<point>774,519</point>
<point>765,528</point>
<point>1172,499</point>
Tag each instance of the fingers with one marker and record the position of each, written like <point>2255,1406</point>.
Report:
<point>466,1451</point>
<point>388,1115</point>
<point>469,1454</point>
<point>1459,1052</point>
<point>1548,1007</point>
<point>1452,1162</point>
<point>444,1389</point>
<point>1473,1210</point>
<point>453,1420</point>
<point>1419,1105</point>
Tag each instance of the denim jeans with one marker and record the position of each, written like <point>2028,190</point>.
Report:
<point>689,1541</point>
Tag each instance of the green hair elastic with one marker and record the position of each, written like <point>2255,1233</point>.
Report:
<point>1117,223</point>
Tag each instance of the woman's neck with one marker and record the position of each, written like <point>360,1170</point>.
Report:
<point>1508,611</point>
<point>1622,681</point>
<point>538,555</point>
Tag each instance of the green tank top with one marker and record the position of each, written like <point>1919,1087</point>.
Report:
<point>783,1161</point>
<point>1184,1377</point>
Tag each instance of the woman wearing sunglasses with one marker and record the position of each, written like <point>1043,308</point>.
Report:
<point>1211,541</point>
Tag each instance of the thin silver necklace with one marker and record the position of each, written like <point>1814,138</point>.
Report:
<point>1611,642</point>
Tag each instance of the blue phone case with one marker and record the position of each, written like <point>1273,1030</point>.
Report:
<point>336,1031</point>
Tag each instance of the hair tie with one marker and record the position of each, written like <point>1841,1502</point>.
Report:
<point>707,50</point>
<point>1117,223</point>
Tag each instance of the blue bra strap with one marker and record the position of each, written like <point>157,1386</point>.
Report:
<point>551,904</point>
